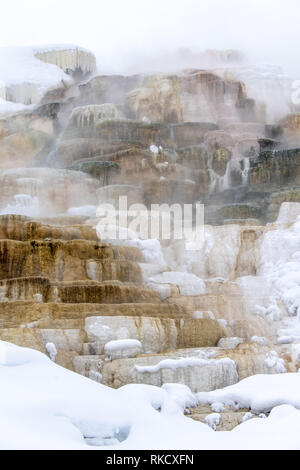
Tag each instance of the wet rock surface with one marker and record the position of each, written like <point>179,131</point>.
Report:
<point>174,139</point>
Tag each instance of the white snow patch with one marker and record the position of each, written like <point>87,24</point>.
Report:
<point>274,362</point>
<point>213,420</point>
<point>58,409</point>
<point>217,407</point>
<point>262,340</point>
<point>182,362</point>
<point>154,149</point>
<point>51,350</point>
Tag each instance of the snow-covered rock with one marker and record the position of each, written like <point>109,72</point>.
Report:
<point>121,348</point>
<point>27,73</point>
<point>189,368</point>
<point>76,412</point>
<point>213,420</point>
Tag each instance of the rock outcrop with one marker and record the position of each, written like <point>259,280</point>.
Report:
<point>206,317</point>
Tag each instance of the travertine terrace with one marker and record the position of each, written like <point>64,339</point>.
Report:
<point>198,135</point>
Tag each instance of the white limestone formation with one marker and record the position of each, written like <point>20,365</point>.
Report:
<point>230,343</point>
<point>28,73</point>
<point>153,335</point>
<point>67,57</point>
<point>197,373</point>
<point>85,116</point>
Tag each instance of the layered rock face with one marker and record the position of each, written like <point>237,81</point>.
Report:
<point>120,307</point>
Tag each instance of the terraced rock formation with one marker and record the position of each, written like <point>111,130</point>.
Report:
<point>68,289</point>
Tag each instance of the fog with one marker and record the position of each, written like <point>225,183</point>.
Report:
<point>128,35</point>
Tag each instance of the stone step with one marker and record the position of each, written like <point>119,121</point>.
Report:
<point>89,366</point>
<point>237,309</point>
<point>188,366</point>
<point>18,227</point>
<point>17,313</point>
<point>43,290</point>
<point>82,249</point>
<point>65,339</point>
<point>68,261</point>
<point>202,369</point>
<point>119,131</point>
<point>156,335</point>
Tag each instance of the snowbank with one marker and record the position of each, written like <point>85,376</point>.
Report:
<point>260,393</point>
<point>44,406</point>
<point>280,266</point>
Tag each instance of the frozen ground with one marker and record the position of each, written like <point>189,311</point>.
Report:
<point>44,406</point>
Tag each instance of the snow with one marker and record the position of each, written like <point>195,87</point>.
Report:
<point>288,212</point>
<point>280,265</point>
<point>272,360</point>
<point>58,408</point>
<point>181,394</point>
<point>24,79</point>
<point>259,393</point>
<point>247,416</point>
<point>272,312</point>
<point>118,349</point>
<point>20,67</point>
<point>51,350</point>
<point>262,340</point>
<point>122,344</point>
<point>182,362</point>
<point>44,406</point>
<point>213,420</point>
<point>8,107</point>
<point>154,149</point>
<point>163,290</point>
<point>116,234</point>
<point>151,250</point>
<point>189,284</point>
<point>217,407</point>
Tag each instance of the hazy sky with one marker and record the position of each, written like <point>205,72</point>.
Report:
<point>122,31</point>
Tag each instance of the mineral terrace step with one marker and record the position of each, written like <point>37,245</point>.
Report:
<point>16,313</point>
<point>43,290</point>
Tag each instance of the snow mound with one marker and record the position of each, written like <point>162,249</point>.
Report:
<point>120,348</point>
<point>58,409</point>
<point>260,393</point>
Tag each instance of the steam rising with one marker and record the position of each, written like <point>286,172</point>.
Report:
<point>130,36</point>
